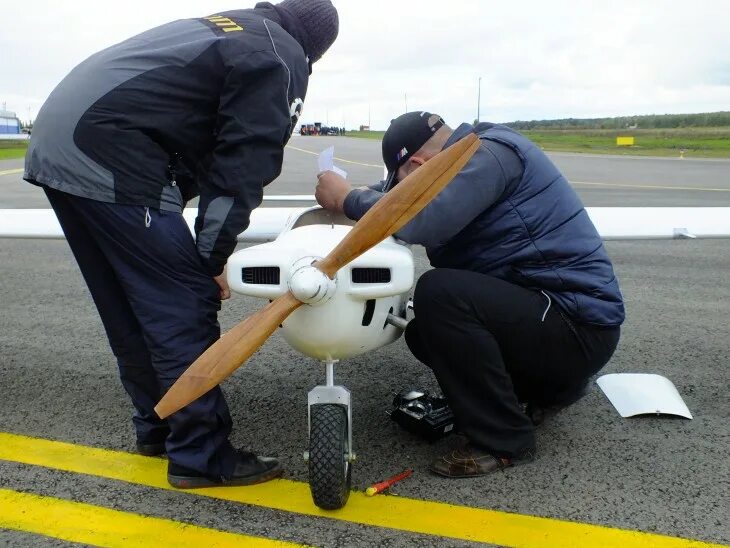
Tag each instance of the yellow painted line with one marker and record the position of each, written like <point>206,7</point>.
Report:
<point>654,187</point>
<point>380,167</point>
<point>11,171</point>
<point>411,515</point>
<point>98,526</point>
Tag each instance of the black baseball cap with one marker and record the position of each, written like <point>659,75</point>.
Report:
<point>405,136</point>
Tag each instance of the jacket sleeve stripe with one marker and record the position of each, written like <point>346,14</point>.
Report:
<point>215,217</point>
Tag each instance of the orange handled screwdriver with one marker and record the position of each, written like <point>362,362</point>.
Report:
<point>383,485</point>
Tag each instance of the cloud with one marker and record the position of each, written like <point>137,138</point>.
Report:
<point>536,59</point>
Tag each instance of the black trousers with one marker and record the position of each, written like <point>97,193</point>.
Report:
<point>493,345</point>
<point>159,309</point>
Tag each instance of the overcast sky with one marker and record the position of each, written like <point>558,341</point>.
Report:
<point>536,59</point>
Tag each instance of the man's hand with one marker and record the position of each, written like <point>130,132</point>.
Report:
<point>225,291</point>
<point>331,191</point>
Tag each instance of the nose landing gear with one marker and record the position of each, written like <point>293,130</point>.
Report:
<point>330,455</point>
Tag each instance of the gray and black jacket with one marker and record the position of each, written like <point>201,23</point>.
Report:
<point>194,107</point>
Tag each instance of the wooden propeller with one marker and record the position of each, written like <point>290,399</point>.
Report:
<point>385,218</point>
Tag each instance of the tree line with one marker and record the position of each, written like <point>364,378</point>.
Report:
<point>647,121</point>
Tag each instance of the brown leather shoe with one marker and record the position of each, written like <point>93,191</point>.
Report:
<point>470,462</point>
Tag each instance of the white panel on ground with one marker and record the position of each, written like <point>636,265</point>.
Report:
<point>643,394</point>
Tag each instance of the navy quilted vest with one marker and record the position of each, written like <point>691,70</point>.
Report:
<point>539,235</point>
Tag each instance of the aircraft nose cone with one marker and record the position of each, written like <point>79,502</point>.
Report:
<point>310,285</point>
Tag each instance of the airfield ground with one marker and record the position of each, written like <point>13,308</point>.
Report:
<point>655,476</point>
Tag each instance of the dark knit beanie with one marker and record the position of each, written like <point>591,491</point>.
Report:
<point>319,24</point>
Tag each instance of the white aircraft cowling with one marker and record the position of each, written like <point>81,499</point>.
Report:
<point>353,319</point>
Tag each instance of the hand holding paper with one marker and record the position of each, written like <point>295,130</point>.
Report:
<point>331,191</point>
<point>326,162</point>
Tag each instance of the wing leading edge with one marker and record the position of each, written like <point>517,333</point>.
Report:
<point>613,223</point>
<point>265,226</point>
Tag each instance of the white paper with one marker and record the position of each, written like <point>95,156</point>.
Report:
<point>643,394</point>
<point>326,162</point>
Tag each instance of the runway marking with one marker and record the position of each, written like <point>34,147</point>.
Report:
<point>686,159</point>
<point>654,187</point>
<point>616,185</point>
<point>98,526</point>
<point>380,167</point>
<point>11,171</point>
<point>411,515</point>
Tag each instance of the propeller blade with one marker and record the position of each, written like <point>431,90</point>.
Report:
<point>400,204</point>
<point>226,355</point>
<point>386,217</point>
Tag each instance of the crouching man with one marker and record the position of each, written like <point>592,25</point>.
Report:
<point>522,305</point>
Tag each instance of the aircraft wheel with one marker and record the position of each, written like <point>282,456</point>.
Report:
<point>329,470</point>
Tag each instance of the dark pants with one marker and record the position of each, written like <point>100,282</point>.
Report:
<point>159,309</point>
<point>492,345</point>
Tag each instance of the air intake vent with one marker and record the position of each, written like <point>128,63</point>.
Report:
<point>262,275</point>
<point>370,275</point>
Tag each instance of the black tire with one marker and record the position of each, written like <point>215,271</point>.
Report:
<point>329,471</point>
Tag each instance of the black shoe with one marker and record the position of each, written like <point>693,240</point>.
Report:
<point>151,449</point>
<point>153,444</point>
<point>250,469</point>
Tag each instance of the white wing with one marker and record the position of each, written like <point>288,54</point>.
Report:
<point>265,226</point>
<point>613,223</point>
<point>617,223</point>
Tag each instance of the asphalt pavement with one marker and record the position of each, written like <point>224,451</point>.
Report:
<point>600,180</point>
<point>58,381</point>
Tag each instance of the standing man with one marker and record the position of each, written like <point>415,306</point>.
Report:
<point>522,305</point>
<point>195,107</point>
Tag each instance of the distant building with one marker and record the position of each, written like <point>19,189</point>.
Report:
<point>9,123</point>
